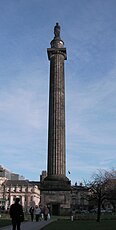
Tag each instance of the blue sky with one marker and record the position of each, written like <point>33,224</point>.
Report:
<point>88,28</point>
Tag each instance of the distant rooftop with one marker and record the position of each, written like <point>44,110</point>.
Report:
<point>4,172</point>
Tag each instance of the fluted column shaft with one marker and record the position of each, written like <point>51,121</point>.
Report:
<point>56,129</point>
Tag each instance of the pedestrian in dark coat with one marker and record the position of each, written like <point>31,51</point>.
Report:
<point>17,215</point>
<point>31,210</point>
<point>46,211</point>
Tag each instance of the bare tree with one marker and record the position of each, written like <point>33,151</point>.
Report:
<point>102,187</point>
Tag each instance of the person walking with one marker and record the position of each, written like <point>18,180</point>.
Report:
<point>16,214</point>
<point>37,213</point>
<point>31,211</point>
<point>46,211</point>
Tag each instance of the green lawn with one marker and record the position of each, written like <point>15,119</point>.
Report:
<point>4,222</point>
<point>81,225</point>
<point>5,219</point>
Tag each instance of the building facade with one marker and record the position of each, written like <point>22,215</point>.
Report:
<point>79,201</point>
<point>28,192</point>
<point>30,195</point>
<point>10,175</point>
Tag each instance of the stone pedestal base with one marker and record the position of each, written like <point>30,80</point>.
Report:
<point>56,194</point>
<point>57,201</point>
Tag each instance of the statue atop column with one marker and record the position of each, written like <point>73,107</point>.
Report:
<point>57,30</point>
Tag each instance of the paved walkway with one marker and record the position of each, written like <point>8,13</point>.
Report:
<point>30,225</point>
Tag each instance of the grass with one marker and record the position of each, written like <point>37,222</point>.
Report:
<point>4,222</point>
<point>81,225</point>
<point>68,224</point>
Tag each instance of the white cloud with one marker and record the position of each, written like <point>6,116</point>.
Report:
<point>91,115</point>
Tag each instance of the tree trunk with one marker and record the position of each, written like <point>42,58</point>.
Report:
<point>99,208</point>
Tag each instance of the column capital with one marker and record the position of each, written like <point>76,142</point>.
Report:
<point>55,51</point>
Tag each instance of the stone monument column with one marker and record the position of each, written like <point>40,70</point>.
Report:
<point>56,130</point>
<point>56,187</point>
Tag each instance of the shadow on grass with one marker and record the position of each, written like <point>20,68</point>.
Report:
<point>81,225</point>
